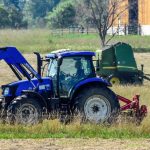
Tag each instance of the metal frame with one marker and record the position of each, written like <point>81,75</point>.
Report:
<point>139,111</point>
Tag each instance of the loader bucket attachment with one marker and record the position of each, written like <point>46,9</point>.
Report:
<point>18,63</point>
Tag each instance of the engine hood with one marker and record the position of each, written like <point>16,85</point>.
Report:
<point>17,87</point>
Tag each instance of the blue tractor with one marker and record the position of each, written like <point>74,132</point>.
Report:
<point>69,87</point>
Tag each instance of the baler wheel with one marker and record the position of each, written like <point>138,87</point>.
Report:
<point>114,80</point>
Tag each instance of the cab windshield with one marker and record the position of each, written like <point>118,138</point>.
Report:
<point>52,68</point>
<point>72,71</point>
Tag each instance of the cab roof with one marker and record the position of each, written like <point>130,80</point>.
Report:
<point>69,53</point>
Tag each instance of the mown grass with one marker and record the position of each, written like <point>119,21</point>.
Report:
<point>44,41</point>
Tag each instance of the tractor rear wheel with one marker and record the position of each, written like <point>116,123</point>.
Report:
<point>98,105</point>
<point>24,110</point>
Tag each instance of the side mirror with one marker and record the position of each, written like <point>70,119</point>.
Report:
<point>59,61</point>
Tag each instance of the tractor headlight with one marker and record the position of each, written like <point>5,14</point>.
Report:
<point>6,91</point>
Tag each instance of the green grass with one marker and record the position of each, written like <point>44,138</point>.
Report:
<point>53,129</point>
<point>44,41</point>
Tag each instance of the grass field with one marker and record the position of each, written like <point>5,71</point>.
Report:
<point>43,41</point>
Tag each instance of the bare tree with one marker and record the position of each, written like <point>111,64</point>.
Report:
<point>104,14</point>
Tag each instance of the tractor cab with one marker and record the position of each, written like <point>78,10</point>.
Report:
<point>67,68</point>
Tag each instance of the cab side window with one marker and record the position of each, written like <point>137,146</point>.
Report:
<point>72,71</point>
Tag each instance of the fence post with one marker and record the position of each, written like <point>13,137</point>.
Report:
<point>139,29</point>
<point>87,30</point>
<point>125,29</point>
<point>82,29</point>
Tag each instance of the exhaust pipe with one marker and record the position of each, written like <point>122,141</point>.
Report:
<point>39,62</point>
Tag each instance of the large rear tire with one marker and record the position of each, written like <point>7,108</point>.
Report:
<point>24,110</point>
<point>98,105</point>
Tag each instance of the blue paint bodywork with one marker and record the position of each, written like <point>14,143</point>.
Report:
<point>45,85</point>
<point>99,81</point>
<point>13,57</point>
<point>68,53</point>
<point>91,80</point>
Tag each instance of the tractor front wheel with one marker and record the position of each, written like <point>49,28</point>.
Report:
<point>98,105</point>
<point>24,110</point>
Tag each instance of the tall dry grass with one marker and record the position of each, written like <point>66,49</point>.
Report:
<point>43,40</point>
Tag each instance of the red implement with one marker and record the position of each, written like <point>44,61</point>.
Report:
<point>139,112</point>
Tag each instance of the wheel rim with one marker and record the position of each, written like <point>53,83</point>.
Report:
<point>27,114</point>
<point>115,81</point>
<point>97,109</point>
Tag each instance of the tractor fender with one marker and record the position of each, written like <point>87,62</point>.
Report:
<point>88,82</point>
<point>33,94</point>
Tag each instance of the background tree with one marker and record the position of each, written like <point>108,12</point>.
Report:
<point>11,17</point>
<point>39,8</point>
<point>62,16</point>
<point>4,18</point>
<point>14,9</point>
<point>36,10</point>
<point>16,18</point>
<point>103,13</point>
<point>18,4</point>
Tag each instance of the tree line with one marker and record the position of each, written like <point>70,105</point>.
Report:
<point>100,14</point>
<point>36,13</point>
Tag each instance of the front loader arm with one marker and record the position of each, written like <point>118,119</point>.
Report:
<point>18,63</point>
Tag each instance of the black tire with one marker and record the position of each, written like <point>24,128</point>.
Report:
<point>24,110</point>
<point>98,105</point>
